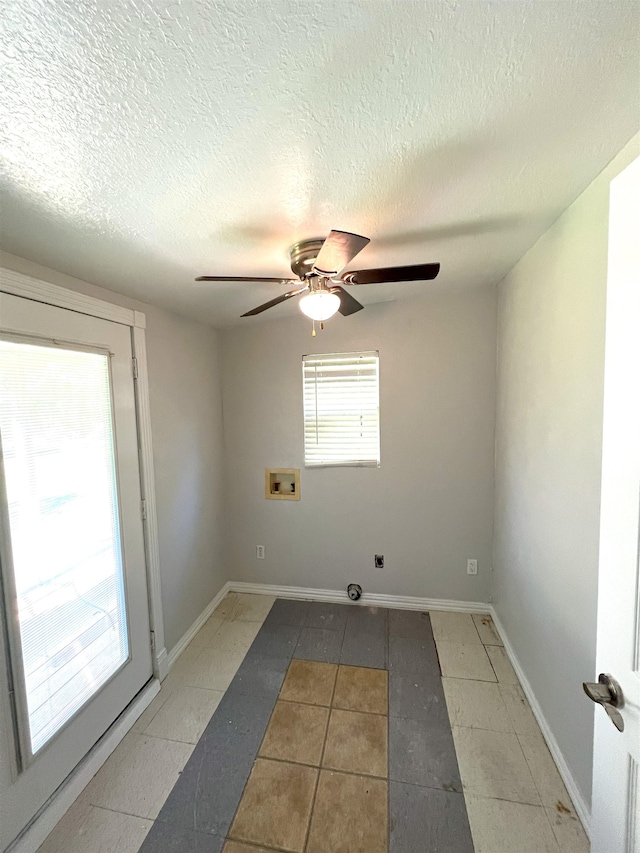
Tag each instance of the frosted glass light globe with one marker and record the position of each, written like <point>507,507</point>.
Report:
<point>320,305</point>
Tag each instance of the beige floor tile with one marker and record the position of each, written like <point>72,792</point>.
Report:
<point>568,831</point>
<point>237,636</point>
<point>310,682</point>
<point>519,710</point>
<point>487,630</point>
<point>544,771</point>
<point>236,847</point>
<point>362,689</point>
<point>498,826</point>
<point>505,673</point>
<point>180,668</point>
<point>465,660</point>
<point>226,607</point>
<point>454,628</point>
<point>252,608</point>
<point>185,714</point>
<point>139,775</point>
<point>276,805</point>
<point>357,743</point>
<point>61,838</point>
<point>105,831</point>
<point>492,765</point>
<point>211,669</point>
<point>151,710</point>
<point>476,705</point>
<point>296,733</point>
<point>206,635</point>
<point>350,815</point>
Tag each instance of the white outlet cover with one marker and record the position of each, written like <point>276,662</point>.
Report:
<point>472,567</point>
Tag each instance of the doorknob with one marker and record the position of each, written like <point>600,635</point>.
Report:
<point>608,693</point>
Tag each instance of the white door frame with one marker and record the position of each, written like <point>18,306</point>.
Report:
<point>19,284</point>
<point>28,287</point>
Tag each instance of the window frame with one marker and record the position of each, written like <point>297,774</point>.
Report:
<point>372,443</point>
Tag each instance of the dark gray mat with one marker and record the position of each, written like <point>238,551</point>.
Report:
<point>425,820</point>
<point>412,656</point>
<point>423,755</point>
<point>319,644</point>
<point>360,649</point>
<point>172,838</point>
<point>410,623</point>
<point>324,615</point>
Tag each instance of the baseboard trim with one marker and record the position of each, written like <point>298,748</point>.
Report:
<point>582,809</point>
<point>61,800</point>
<point>369,599</point>
<point>186,638</point>
<point>162,663</point>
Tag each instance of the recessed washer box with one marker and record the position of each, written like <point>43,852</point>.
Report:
<point>282,484</point>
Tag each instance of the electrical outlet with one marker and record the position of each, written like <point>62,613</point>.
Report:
<point>379,561</point>
<point>472,567</point>
<point>260,552</point>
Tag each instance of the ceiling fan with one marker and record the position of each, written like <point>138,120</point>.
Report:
<point>319,264</point>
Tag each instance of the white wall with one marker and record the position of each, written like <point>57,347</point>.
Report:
<point>427,508</point>
<point>551,320</point>
<point>186,420</point>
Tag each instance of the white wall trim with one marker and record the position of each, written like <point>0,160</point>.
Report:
<point>53,810</point>
<point>139,320</point>
<point>161,668</point>
<point>19,284</point>
<point>584,813</point>
<point>186,638</point>
<point>369,599</point>
<point>147,485</point>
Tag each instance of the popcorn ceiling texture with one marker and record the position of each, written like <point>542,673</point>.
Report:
<point>147,142</point>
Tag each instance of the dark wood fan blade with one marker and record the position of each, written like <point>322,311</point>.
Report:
<point>418,272</point>
<point>245,278</point>
<point>348,305</point>
<point>275,301</point>
<point>339,249</point>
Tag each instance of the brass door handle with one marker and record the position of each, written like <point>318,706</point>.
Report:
<point>608,693</point>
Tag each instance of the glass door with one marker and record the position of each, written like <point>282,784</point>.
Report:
<point>73,571</point>
<point>66,577</point>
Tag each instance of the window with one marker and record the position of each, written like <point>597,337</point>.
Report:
<point>341,409</point>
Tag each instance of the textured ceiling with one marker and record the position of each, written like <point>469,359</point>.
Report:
<point>144,143</point>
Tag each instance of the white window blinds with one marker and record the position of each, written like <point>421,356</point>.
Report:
<point>67,578</point>
<point>341,409</point>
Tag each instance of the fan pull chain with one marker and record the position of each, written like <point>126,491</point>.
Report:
<point>313,328</point>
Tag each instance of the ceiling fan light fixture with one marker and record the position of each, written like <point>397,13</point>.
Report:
<point>320,305</point>
<point>318,265</point>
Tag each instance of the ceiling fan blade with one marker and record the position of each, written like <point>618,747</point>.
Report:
<point>339,249</point>
<point>275,301</point>
<point>348,305</point>
<point>245,278</point>
<point>418,272</point>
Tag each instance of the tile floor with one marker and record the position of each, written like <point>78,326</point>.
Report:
<point>515,797</point>
<point>329,804</point>
<point>298,726</point>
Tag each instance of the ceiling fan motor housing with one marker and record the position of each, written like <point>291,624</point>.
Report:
<point>303,256</point>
